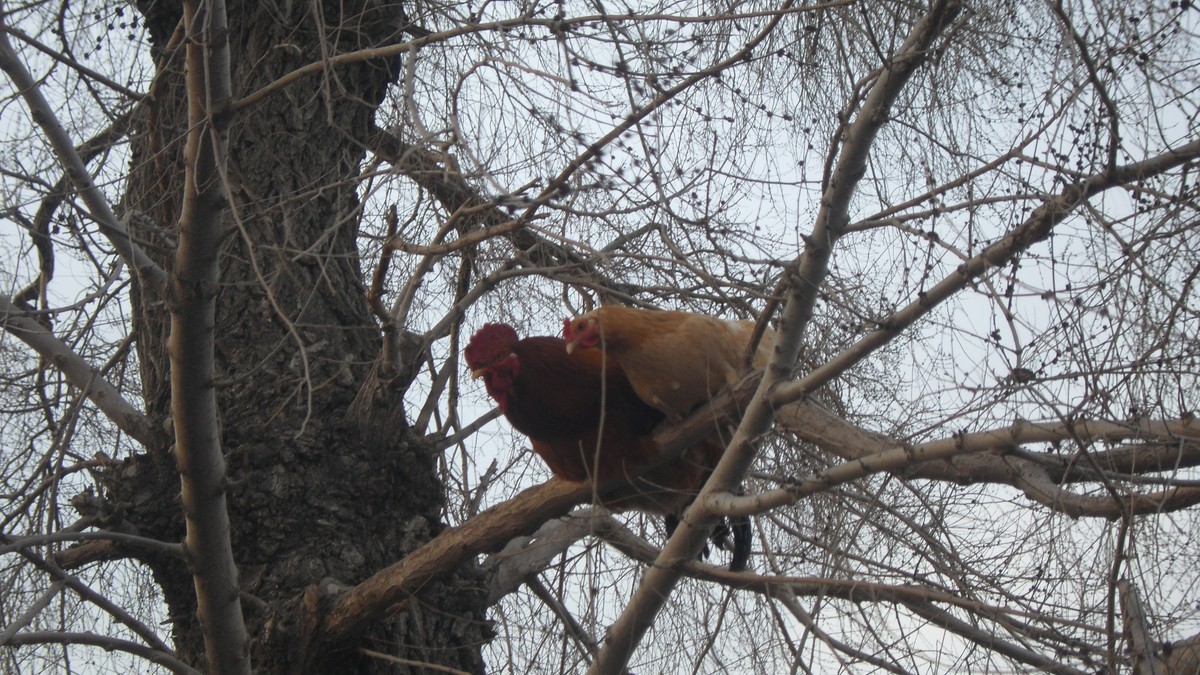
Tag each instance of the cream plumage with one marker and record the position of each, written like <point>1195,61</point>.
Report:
<point>674,360</point>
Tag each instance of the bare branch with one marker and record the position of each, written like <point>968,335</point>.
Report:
<point>1182,657</point>
<point>193,289</point>
<point>977,635</point>
<point>523,556</point>
<point>30,612</point>
<point>643,608</point>
<point>423,665</point>
<point>465,241</point>
<point>473,28</point>
<point>1089,64</point>
<point>468,430</point>
<point>91,595</point>
<point>989,457</point>
<point>164,659</point>
<point>584,640</point>
<point>18,543</point>
<point>1137,630</point>
<point>784,595</point>
<point>41,226</point>
<point>88,73</point>
<point>470,210</point>
<point>1036,228</point>
<point>354,610</point>
<point>151,274</point>
<point>80,374</point>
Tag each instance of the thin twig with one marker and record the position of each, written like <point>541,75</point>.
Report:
<point>42,113</point>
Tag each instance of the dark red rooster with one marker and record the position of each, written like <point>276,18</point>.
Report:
<point>585,421</point>
<point>582,419</point>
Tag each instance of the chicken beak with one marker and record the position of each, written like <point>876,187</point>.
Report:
<point>477,373</point>
<point>571,346</point>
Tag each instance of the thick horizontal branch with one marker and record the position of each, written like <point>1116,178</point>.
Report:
<point>984,457</point>
<point>79,373</point>
<point>369,601</point>
<point>490,530</point>
<point>1162,445</point>
<point>1039,487</point>
<point>523,556</point>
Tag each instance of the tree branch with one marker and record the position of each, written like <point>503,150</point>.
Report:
<point>523,556</point>
<point>979,636</point>
<point>1137,630</point>
<point>1036,228</point>
<point>163,659</point>
<point>88,594</point>
<point>1182,657</point>
<point>471,209</point>
<point>191,345</point>
<point>80,374</point>
<point>354,610</point>
<point>151,275</point>
<point>162,547</point>
<point>661,579</point>
<point>30,613</point>
<point>874,452</point>
<point>40,227</point>
<point>784,595</point>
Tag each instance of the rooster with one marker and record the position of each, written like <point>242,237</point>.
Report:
<point>585,421</point>
<point>675,361</point>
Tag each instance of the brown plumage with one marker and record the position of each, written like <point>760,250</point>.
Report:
<point>584,419</point>
<point>675,361</point>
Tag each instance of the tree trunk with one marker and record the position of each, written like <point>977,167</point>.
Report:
<point>324,490</point>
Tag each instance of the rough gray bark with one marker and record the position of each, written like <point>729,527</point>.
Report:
<point>323,491</point>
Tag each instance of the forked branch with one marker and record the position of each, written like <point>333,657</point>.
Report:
<point>813,266</point>
<point>151,275</point>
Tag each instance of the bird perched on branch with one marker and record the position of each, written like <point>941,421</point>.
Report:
<point>675,361</point>
<point>584,419</point>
